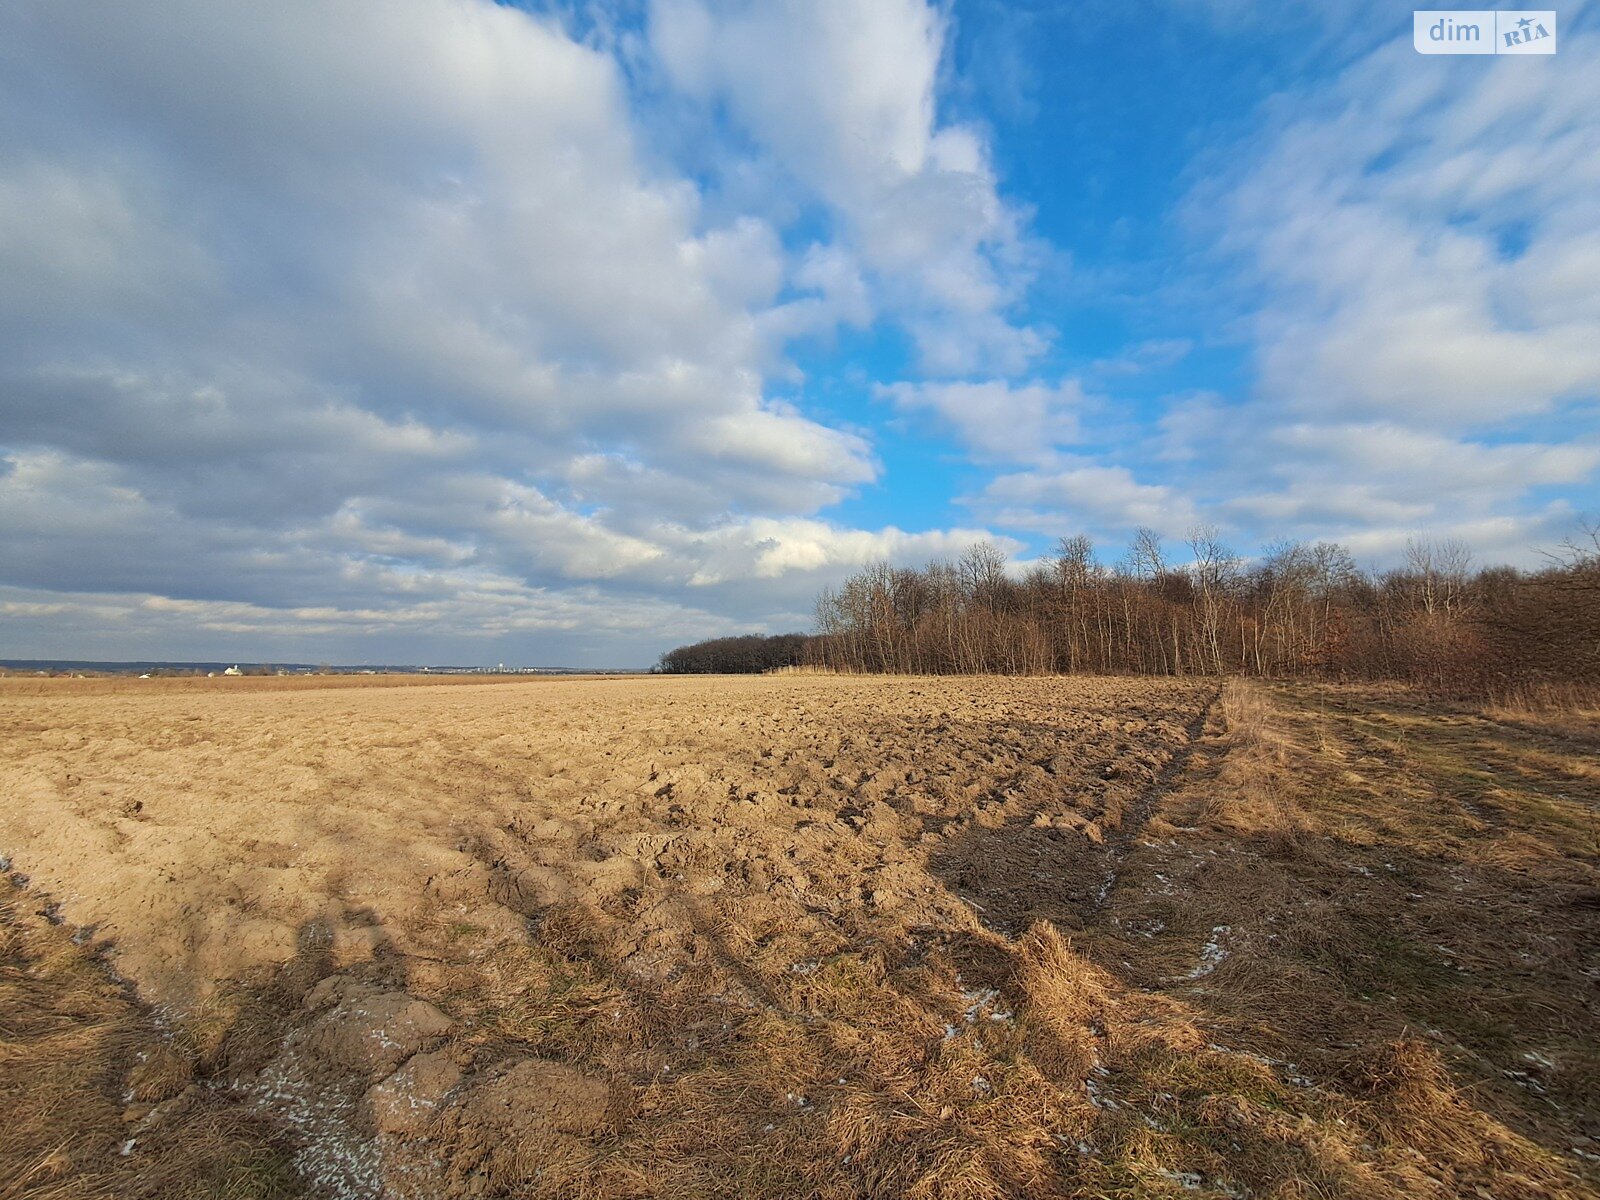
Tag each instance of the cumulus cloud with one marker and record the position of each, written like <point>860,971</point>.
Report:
<point>475,560</point>
<point>368,308</point>
<point>840,95</point>
<point>480,619</point>
<point>815,551</point>
<point>1077,497</point>
<point>995,420</point>
<point>386,324</point>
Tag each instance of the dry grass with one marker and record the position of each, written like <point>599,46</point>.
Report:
<point>852,938</point>
<point>1406,895</point>
<point>1255,796</point>
<point>85,1074</point>
<point>1567,711</point>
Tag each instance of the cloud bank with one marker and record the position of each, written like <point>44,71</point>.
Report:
<point>379,317</point>
<point>446,330</point>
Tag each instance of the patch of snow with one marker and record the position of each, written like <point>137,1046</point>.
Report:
<point>1212,953</point>
<point>1193,1181</point>
<point>981,998</point>
<point>1097,1094</point>
<point>1523,1079</point>
<point>331,1155</point>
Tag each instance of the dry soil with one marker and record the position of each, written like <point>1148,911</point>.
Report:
<point>799,936</point>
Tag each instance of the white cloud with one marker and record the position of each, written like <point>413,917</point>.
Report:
<point>841,95</point>
<point>1077,497</point>
<point>817,552</point>
<point>482,619</point>
<point>476,557</point>
<point>1423,245</point>
<point>1514,538</point>
<point>1411,244</point>
<point>364,309</point>
<point>997,421</point>
<point>437,204</point>
<point>81,234</point>
<point>400,320</point>
<point>858,137</point>
<point>1146,356</point>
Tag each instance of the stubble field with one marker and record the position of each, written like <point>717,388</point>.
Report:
<point>797,936</point>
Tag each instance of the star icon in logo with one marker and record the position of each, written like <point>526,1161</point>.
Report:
<point>1524,23</point>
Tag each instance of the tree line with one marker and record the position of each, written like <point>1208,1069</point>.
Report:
<point>746,655</point>
<point>1299,611</point>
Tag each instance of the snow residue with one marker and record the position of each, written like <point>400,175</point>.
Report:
<point>1193,1181</point>
<point>1093,1085</point>
<point>1212,953</point>
<point>983,1004</point>
<point>331,1154</point>
<point>981,998</point>
<point>1288,1070</point>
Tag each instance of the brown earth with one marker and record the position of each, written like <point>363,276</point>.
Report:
<point>810,936</point>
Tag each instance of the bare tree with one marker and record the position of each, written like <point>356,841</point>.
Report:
<point>1298,610</point>
<point>1214,567</point>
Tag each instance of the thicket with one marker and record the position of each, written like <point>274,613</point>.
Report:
<point>1298,611</point>
<point>746,655</point>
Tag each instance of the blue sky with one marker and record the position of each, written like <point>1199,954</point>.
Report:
<point>442,330</point>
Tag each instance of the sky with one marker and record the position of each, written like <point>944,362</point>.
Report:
<point>448,331</point>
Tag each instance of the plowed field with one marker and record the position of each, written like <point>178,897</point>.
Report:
<point>796,936</point>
